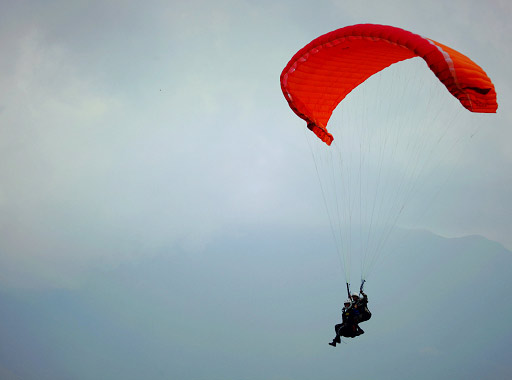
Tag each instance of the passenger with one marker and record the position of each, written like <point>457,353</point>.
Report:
<point>348,328</point>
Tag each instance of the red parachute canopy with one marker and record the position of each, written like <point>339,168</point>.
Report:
<point>322,73</point>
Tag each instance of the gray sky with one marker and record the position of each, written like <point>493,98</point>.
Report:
<point>126,127</point>
<point>159,205</point>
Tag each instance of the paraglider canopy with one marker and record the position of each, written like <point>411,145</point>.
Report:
<point>321,74</point>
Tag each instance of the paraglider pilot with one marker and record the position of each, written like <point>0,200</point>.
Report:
<point>362,305</point>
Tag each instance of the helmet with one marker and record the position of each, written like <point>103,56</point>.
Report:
<point>347,302</point>
<point>355,295</point>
